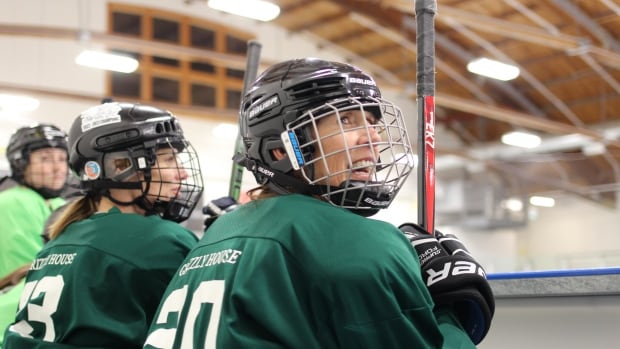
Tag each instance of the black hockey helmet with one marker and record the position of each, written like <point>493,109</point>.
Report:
<point>280,111</point>
<point>27,139</point>
<point>112,133</point>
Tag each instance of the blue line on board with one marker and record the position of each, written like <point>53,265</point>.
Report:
<point>553,273</point>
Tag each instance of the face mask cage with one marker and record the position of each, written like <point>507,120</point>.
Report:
<point>48,173</point>
<point>364,171</point>
<point>169,178</point>
<point>175,181</point>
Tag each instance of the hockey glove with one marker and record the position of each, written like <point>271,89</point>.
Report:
<point>454,279</point>
<point>215,208</point>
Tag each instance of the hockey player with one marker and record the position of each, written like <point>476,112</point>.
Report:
<point>300,266</point>
<point>98,282</point>
<point>37,156</point>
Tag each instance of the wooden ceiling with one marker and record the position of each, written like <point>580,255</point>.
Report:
<point>568,91</point>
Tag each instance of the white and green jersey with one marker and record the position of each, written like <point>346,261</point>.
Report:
<point>296,272</point>
<point>98,284</point>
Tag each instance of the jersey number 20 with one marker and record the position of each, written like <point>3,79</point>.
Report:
<point>207,292</point>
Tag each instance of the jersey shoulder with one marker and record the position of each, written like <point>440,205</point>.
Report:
<point>307,229</point>
<point>19,195</point>
<point>137,239</point>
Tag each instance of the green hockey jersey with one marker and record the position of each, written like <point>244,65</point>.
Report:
<point>98,284</point>
<point>24,213</point>
<point>296,272</point>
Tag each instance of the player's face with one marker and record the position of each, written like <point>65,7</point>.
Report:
<point>47,168</point>
<point>349,147</point>
<point>167,175</point>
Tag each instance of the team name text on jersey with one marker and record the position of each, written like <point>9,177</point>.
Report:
<point>53,259</point>
<point>228,256</point>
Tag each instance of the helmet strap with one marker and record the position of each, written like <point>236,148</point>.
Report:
<point>45,192</point>
<point>348,193</point>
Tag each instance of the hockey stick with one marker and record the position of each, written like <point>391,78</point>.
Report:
<point>425,65</point>
<point>251,70</point>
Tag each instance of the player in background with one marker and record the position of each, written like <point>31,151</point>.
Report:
<point>112,252</point>
<point>37,156</point>
<point>300,266</point>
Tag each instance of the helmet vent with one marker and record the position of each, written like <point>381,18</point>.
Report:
<point>318,87</point>
<point>164,127</point>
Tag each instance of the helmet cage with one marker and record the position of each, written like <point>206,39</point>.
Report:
<point>189,185</point>
<point>388,170</point>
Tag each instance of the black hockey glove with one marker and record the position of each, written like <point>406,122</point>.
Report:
<point>215,208</point>
<point>454,279</point>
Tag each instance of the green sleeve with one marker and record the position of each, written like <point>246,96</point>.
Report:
<point>453,334</point>
<point>8,307</point>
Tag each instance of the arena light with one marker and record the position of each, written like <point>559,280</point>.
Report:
<point>493,69</point>
<point>107,61</point>
<point>542,201</point>
<point>512,204</point>
<point>521,139</point>
<point>255,9</point>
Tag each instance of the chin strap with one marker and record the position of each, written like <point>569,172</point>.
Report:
<point>102,187</point>
<point>354,196</point>
<point>277,180</point>
<point>48,193</point>
<point>45,192</point>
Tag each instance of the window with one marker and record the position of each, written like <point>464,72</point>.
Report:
<point>165,90</point>
<point>234,73</point>
<point>236,45</point>
<point>166,61</point>
<point>203,95</point>
<point>126,23</point>
<point>203,67</point>
<point>126,85</point>
<point>167,75</point>
<point>165,30</point>
<point>202,38</point>
<point>233,99</point>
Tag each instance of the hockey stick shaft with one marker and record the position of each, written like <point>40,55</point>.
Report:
<point>425,80</point>
<point>251,70</point>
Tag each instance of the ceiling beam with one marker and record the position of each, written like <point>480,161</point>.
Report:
<point>217,115</point>
<point>129,44</point>
<point>521,119</point>
<point>569,43</point>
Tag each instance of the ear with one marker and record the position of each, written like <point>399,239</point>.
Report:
<point>278,153</point>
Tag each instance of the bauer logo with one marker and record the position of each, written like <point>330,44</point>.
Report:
<point>263,106</point>
<point>265,171</point>
<point>361,81</point>
<point>377,203</point>
<point>458,268</point>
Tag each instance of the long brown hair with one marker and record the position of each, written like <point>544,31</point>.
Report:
<point>15,276</point>
<point>77,210</point>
